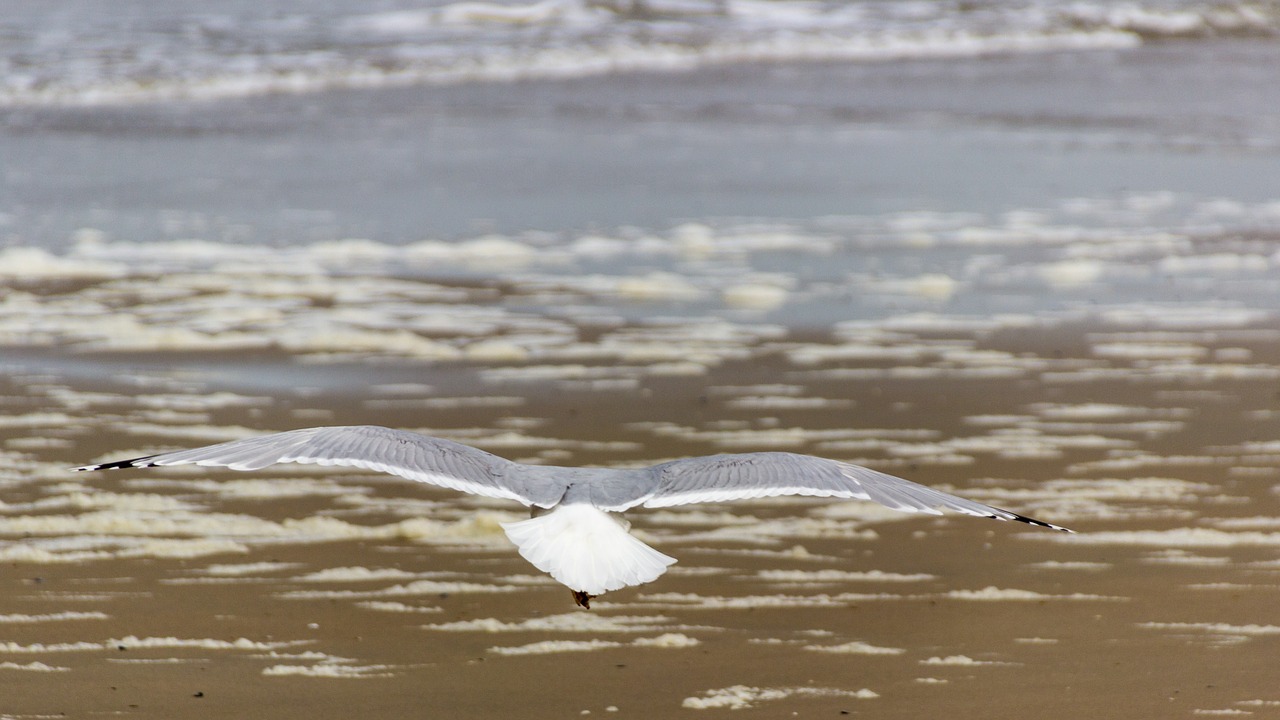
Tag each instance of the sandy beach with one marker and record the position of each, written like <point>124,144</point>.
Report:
<point>290,591</point>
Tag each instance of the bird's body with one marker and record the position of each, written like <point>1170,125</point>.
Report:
<point>576,533</point>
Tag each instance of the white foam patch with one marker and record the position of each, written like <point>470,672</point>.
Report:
<point>1265,522</point>
<point>995,594</point>
<point>1010,444</point>
<point>39,553</point>
<point>132,642</point>
<point>691,601</point>
<point>214,528</point>
<point>900,354</point>
<point>760,439</point>
<point>1138,489</point>
<point>1174,556</point>
<point>91,597</point>
<point>1065,274</point>
<point>828,577</point>
<point>767,532</point>
<point>1150,351</point>
<point>198,402</point>
<point>774,389</point>
<point>274,488</point>
<point>19,618</point>
<point>1084,565</point>
<point>741,697</point>
<point>241,569</point>
<point>548,647</point>
<point>102,500</point>
<point>937,287</point>
<point>795,552</point>
<point>36,420</point>
<point>686,517</point>
<point>1179,538</point>
<point>1226,586</point>
<point>856,647</point>
<point>1213,632</point>
<point>569,622</point>
<point>773,403</point>
<point>412,589</point>
<point>960,661</point>
<point>39,443</point>
<point>353,574</point>
<point>860,512</point>
<point>32,667</point>
<point>755,296</point>
<point>1139,461</point>
<point>1105,411</point>
<point>331,671</point>
<point>203,433</point>
<point>667,641</point>
<point>29,263</point>
<point>447,403</point>
<point>396,607</point>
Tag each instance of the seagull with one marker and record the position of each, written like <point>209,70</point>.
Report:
<point>575,531</point>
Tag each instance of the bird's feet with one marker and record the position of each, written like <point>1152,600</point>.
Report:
<point>582,598</point>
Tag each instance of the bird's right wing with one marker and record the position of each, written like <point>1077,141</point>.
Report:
<point>720,478</point>
<point>406,454</point>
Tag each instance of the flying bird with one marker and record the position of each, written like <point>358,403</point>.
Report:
<point>576,532</point>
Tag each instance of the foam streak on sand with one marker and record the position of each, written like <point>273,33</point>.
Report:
<point>146,643</point>
<point>739,697</point>
<point>667,640</point>
<point>960,661</point>
<point>569,622</point>
<point>331,670</point>
<point>32,667</point>
<point>53,617</point>
<point>856,647</point>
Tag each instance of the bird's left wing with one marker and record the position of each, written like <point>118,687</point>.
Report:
<point>720,478</point>
<point>410,455</point>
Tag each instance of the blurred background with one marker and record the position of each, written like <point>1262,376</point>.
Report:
<point>1025,250</point>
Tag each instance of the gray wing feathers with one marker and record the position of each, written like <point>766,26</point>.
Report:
<point>406,454</point>
<point>753,475</point>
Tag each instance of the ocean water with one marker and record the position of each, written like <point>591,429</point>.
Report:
<point>285,124</point>
<point>84,54</point>
<point>1024,251</point>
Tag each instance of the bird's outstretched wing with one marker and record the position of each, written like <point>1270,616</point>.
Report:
<point>721,478</point>
<point>409,455</point>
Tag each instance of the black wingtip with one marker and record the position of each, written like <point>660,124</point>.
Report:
<point>135,462</point>
<point>1041,523</point>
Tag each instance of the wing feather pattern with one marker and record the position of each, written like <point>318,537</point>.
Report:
<point>409,455</point>
<point>720,478</point>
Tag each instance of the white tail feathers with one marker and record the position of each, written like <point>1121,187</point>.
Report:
<point>586,549</point>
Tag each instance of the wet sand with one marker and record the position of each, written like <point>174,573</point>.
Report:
<point>297,592</point>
